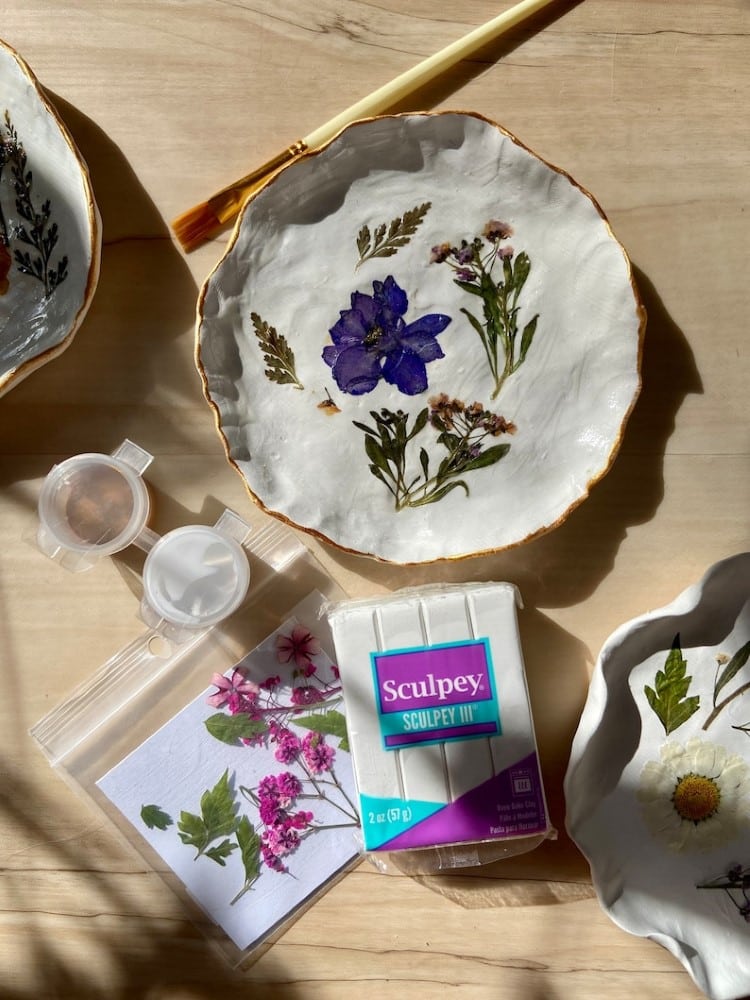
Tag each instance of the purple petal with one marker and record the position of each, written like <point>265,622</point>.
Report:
<point>423,345</point>
<point>331,354</point>
<point>390,296</point>
<point>356,371</point>
<point>366,306</point>
<point>350,329</point>
<point>407,372</point>
<point>432,324</point>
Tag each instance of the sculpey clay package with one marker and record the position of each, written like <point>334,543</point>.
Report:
<point>445,755</point>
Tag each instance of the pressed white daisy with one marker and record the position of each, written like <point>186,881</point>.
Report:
<point>697,796</point>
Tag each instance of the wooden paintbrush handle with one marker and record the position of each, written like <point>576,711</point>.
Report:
<point>425,71</point>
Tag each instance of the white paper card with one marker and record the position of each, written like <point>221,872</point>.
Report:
<point>294,784</point>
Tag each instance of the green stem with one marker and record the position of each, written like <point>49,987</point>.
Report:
<point>423,496</point>
<point>245,888</point>
<point>723,704</point>
<point>341,788</point>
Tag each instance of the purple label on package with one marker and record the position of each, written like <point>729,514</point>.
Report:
<point>431,694</point>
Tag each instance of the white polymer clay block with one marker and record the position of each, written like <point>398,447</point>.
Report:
<point>438,715</point>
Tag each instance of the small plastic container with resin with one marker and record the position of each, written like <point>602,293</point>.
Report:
<point>93,505</point>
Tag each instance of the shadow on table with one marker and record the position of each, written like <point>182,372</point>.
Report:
<point>566,565</point>
<point>101,389</point>
<point>146,956</point>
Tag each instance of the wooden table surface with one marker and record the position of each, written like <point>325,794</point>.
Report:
<point>645,103</point>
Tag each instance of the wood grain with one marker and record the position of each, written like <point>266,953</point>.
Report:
<point>644,103</point>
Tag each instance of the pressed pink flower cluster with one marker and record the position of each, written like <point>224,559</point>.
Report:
<point>312,750</point>
<point>261,701</point>
<point>283,824</point>
<point>276,795</point>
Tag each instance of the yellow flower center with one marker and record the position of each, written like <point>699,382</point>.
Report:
<point>696,797</point>
<point>373,336</point>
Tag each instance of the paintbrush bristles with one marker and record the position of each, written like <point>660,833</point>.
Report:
<point>199,223</point>
<point>195,226</point>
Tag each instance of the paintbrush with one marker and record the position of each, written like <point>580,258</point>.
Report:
<point>199,223</point>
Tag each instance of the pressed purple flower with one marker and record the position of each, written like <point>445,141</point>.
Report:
<point>318,755</point>
<point>505,253</point>
<point>280,839</point>
<point>299,646</point>
<point>270,683</point>
<point>269,810</point>
<point>371,341</point>
<point>306,696</point>
<point>237,703</point>
<point>440,253</point>
<point>288,748</point>
<point>300,820</point>
<point>464,274</point>
<point>236,685</point>
<point>288,787</point>
<point>465,253</point>
<point>271,858</point>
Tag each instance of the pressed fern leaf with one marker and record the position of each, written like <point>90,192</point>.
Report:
<point>388,239</point>
<point>277,354</point>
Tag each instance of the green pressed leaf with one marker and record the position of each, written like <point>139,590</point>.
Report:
<point>450,441</point>
<point>365,428</point>
<point>219,808</point>
<point>468,286</point>
<point>420,421</point>
<point>527,337</point>
<point>732,668</point>
<point>669,696</point>
<point>193,831</point>
<point>155,818</point>
<point>331,723</point>
<point>375,453</point>
<point>220,852</point>
<point>388,239</point>
<point>508,273</point>
<point>445,490</point>
<point>474,322</point>
<point>277,354</point>
<point>249,844</point>
<point>231,728</point>
<point>520,272</point>
<point>217,820</point>
<point>379,475</point>
<point>424,461</point>
<point>487,457</point>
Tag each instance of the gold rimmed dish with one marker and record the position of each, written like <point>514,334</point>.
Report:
<point>423,341</point>
<point>50,232</point>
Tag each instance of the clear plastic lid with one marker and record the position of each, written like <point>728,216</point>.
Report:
<point>195,576</point>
